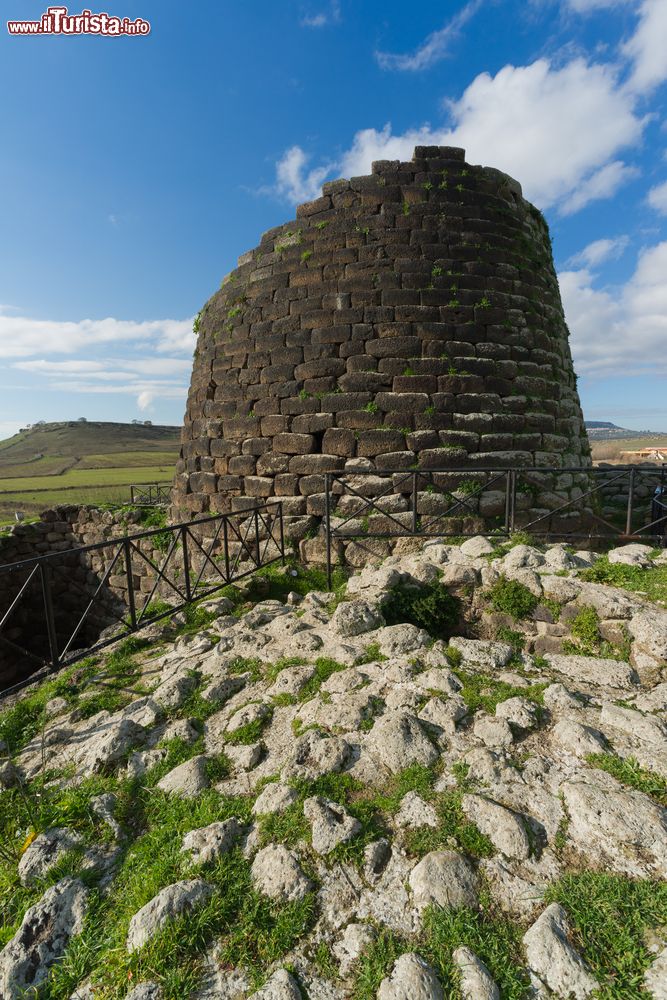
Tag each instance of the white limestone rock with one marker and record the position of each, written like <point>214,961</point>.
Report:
<point>492,731</point>
<point>42,938</point>
<point>655,977</point>
<point>554,960</point>
<point>476,547</point>
<point>398,740</point>
<point>615,825</point>
<point>411,979</point>
<point>648,627</point>
<point>631,555</point>
<point>578,739</point>
<point>330,822</point>
<point>505,829</point>
<point>45,850</point>
<point>188,779</point>
<point>315,755</point>
<point>277,873</point>
<point>476,980</point>
<point>594,670</point>
<point>415,812</point>
<point>444,878</point>
<point>274,798</point>
<point>208,843</point>
<point>281,986</point>
<point>171,902</point>
<point>356,939</point>
<point>521,713</point>
<point>254,712</point>
<point>353,618</point>
<point>483,654</point>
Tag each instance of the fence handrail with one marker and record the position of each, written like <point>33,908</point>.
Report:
<point>46,556</point>
<point>261,527</point>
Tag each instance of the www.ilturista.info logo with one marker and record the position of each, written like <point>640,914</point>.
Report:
<point>57,21</point>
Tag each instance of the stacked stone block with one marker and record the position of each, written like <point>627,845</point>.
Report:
<point>406,320</point>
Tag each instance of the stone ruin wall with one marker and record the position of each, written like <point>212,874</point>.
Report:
<point>75,579</point>
<point>410,319</point>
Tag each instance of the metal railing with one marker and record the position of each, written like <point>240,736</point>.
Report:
<point>187,561</point>
<point>517,487</point>
<point>150,494</point>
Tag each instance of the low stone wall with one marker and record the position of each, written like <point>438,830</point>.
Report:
<point>74,578</point>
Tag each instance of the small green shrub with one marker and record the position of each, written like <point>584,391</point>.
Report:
<point>430,607</point>
<point>512,598</point>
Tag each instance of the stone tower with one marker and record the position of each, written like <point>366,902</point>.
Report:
<point>410,319</point>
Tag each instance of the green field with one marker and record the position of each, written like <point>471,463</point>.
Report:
<point>86,463</point>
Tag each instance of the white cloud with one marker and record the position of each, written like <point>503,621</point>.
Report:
<point>647,48</point>
<point>598,252</point>
<point>103,369</point>
<point>323,18</point>
<point>587,6</point>
<point>435,47</point>
<point>604,183</point>
<point>657,198</point>
<point>619,331</point>
<point>24,337</point>
<point>145,399</point>
<point>558,130</point>
<point>293,181</point>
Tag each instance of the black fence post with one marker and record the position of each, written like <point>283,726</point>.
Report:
<point>225,540</point>
<point>282,532</point>
<point>127,549</point>
<point>186,563</point>
<point>630,509</point>
<point>50,618</point>
<point>414,503</point>
<point>327,523</point>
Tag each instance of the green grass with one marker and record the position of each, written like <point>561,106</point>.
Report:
<point>492,937</point>
<point>629,772</point>
<point>324,669</point>
<point>611,916</point>
<point>253,931</point>
<point>90,477</point>
<point>483,691</point>
<point>512,598</point>
<point>651,581</point>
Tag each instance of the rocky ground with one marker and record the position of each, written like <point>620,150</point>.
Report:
<point>446,779</point>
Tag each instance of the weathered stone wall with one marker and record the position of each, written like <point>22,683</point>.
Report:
<point>410,319</point>
<point>74,576</point>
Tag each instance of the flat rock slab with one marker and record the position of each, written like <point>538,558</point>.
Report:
<point>619,826</point>
<point>554,960</point>
<point>42,938</point>
<point>170,903</point>
<point>594,670</point>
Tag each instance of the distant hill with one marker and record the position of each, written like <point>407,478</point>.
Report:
<point>82,462</point>
<point>604,430</point>
<point>52,449</point>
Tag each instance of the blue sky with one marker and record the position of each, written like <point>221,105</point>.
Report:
<point>136,170</point>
